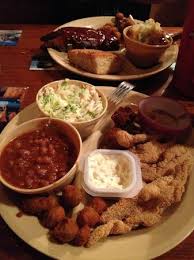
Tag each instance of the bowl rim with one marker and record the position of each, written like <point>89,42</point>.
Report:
<point>100,93</point>
<point>155,123</point>
<point>55,184</point>
<point>156,46</point>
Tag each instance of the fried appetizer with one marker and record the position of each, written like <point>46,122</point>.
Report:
<point>167,162</point>
<point>51,218</point>
<point>38,205</point>
<point>127,140</point>
<point>82,236</point>
<point>120,210</point>
<point>113,227</point>
<point>154,198</point>
<point>99,204</point>
<point>151,151</point>
<point>146,209</point>
<point>109,140</point>
<point>123,116</point>
<point>65,231</point>
<point>122,21</point>
<point>88,216</point>
<point>116,138</point>
<point>71,196</point>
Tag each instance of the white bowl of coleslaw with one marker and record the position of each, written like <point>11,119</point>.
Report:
<point>76,102</point>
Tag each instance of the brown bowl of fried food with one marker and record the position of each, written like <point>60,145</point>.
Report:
<point>145,43</point>
<point>39,156</point>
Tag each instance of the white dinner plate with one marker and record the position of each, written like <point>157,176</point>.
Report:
<point>128,72</point>
<point>141,244</point>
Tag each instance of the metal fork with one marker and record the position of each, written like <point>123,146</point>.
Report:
<point>114,100</point>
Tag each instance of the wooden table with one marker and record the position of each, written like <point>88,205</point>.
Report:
<point>14,71</point>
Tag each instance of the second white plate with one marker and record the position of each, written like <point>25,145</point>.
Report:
<point>129,71</point>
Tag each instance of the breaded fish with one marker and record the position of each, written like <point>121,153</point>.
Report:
<point>113,227</point>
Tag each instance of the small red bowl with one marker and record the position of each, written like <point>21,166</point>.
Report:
<point>164,116</point>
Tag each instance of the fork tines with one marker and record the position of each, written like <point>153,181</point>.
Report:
<point>121,91</point>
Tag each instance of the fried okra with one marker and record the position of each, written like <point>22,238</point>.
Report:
<point>82,236</point>
<point>88,216</point>
<point>38,205</point>
<point>65,231</point>
<point>99,204</point>
<point>51,218</point>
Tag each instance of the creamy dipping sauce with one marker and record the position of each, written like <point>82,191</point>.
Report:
<point>109,170</point>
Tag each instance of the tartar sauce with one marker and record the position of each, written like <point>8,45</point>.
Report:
<point>109,170</point>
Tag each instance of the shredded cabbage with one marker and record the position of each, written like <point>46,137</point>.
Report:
<point>70,102</point>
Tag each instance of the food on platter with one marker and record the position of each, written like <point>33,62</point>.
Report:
<point>99,204</point>
<point>82,236</point>
<point>38,205</point>
<point>145,43</point>
<point>57,216</point>
<point>52,217</point>
<point>71,101</point>
<point>65,231</point>
<point>95,61</point>
<point>77,102</point>
<point>81,37</point>
<point>165,170</point>
<point>83,220</point>
<point>88,216</point>
<point>114,26</point>
<point>112,173</point>
<point>106,38</point>
<point>71,196</point>
<point>37,158</point>
<point>148,32</point>
<point>165,167</point>
<point>121,21</point>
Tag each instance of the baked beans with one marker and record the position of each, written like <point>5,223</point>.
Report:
<point>37,158</point>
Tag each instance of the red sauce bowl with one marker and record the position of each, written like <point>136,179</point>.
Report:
<point>66,131</point>
<point>164,116</point>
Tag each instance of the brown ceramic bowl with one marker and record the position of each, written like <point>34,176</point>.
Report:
<point>32,125</point>
<point>141,54</point>
<point>165,116</point>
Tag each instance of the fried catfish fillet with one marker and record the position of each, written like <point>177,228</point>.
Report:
<point>113,227</point>
<point>167,161</point>
<point>162,193</point>
<point>146,209</point>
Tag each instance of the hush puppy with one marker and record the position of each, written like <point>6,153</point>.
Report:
<point>37,205</point>
<point>65,231</point>
<point>51,218</point>
<point>71,196</point>
<point>88,216</point>
<point>99,204</point>
<point>82,236</point>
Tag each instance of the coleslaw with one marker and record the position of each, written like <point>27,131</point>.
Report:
<point>71,102</point>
